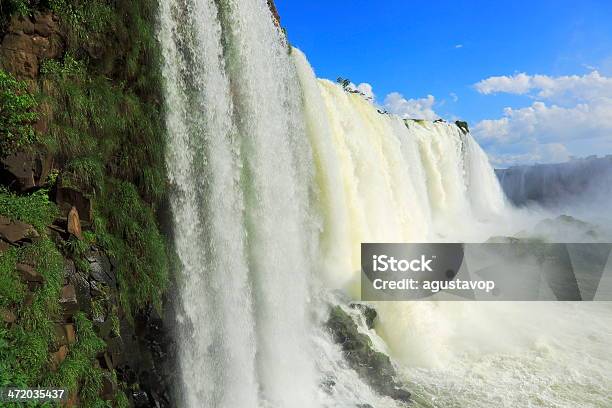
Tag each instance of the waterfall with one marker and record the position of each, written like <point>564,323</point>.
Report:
<point>382,179</point>
<point>577,183</point>
<point>237,166</point>
<point>276,178</point>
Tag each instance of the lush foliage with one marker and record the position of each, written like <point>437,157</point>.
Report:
<point>108,131</point>
<point>17,115</point>
<point>111,142</point>
<point>35,208</point>
<point>10,7</point>
<point>136,244</point>
<point>24,348</point>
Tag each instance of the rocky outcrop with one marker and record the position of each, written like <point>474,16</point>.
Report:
<point>463,126</point>
<point>28,41</point>
<point>274,11</point>
<point>374,367</point>
<point>368,313</point>
<point>583,182</point>
<point>16,232</point>
<point>24,170</point>
<point>147,359</point>
<point>68,198</point>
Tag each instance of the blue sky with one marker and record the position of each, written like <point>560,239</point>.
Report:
<point>444,48</point>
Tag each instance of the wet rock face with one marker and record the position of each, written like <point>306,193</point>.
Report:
<point>149,356</point>
<point>373,367</point>
<point>369,313</point>
<point>142,351</point>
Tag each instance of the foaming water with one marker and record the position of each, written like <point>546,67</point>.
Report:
<point>523,354</point>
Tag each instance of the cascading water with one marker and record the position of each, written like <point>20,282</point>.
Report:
<point>277,178</point>
<point>235,160</point>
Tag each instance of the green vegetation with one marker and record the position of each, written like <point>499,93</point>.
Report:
<point>79,365</point>
<point>108,131</point>
<point>84,19</point>
<point>112,142</point>
<point>10,7</point>
<point>421,122</point>
<point>136,244</point>
<point>35,208</point>
<point>17,115</point>
<point>12,291</point>
<point>345,83</point>
<point>24,347</point>
<point>373,366</point>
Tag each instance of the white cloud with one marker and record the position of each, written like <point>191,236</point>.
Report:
<point>550,122</point>
<point>572,88</point>
<point>454,96</point>
<point>571,115</point>
<point>421,108</point>
<point>459,46</point>
<point>517,84</point>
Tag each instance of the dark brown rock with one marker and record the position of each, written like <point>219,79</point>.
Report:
<point>105,328</point>
<point>23,171</point>
<point>108,362</point>
<point>68,300</point>
<point>73,400</point>
<point>67,197</point>
<point>274,11</point>
<point>4,246</point>
<point>28,41</point>
<point>28,300</point>
<point>79,281</point>
<point>109,386</point>
<point>28,273</point>
<point>60,335</point>
<point>70,333</point>
<point>18,171</point>
<point>58,357</point>
<point>15,232</point>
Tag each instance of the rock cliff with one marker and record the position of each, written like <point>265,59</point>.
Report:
<point>84,275</point>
